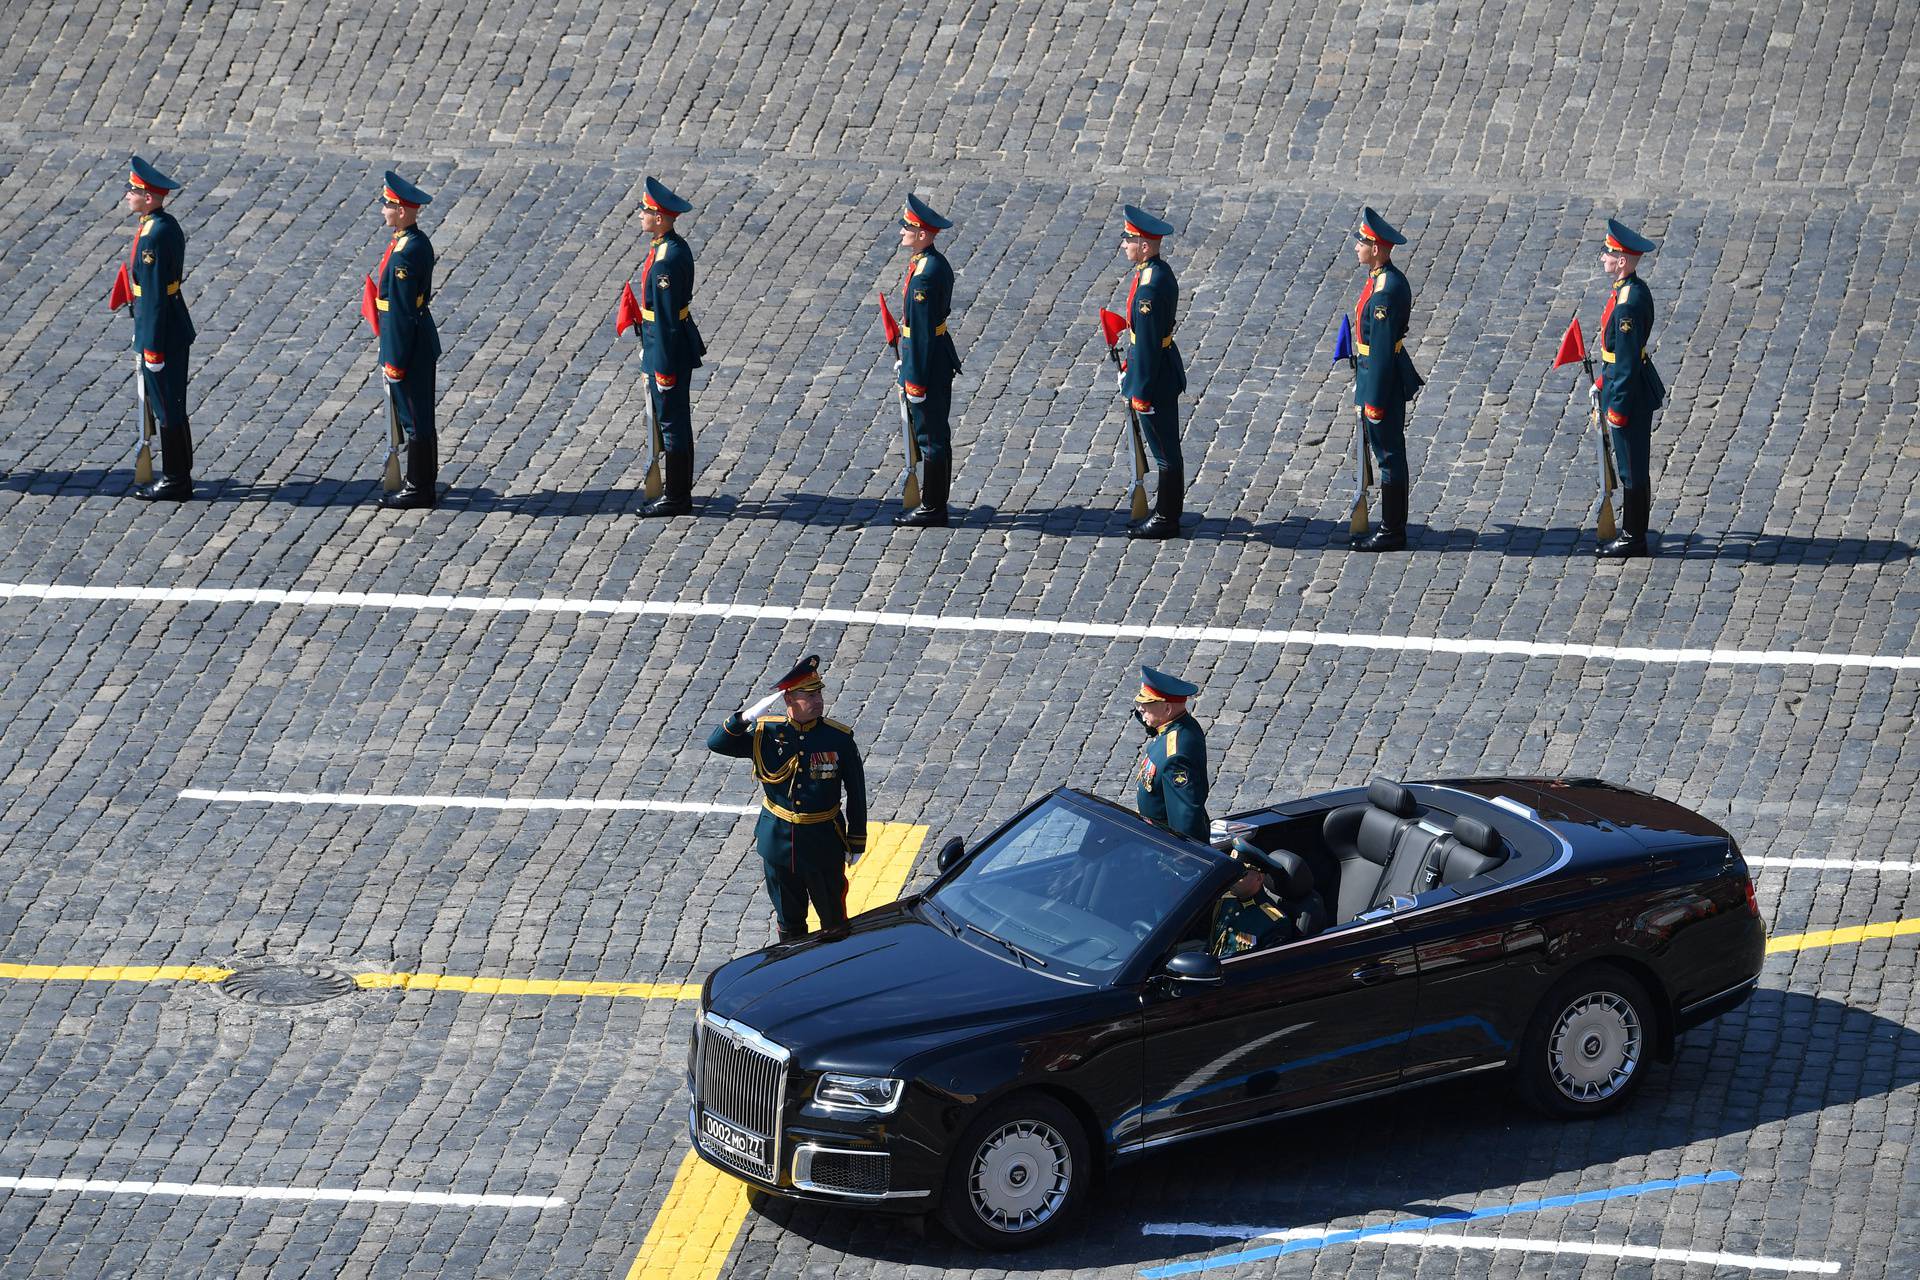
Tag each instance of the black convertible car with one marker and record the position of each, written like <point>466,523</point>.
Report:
<point>1054,1001</point>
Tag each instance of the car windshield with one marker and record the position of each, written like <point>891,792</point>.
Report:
<point>1068,892</point>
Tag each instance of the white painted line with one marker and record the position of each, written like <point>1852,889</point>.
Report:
<point>1835,864</point>
<point>941,622</point>
<point>463,802</point>
<point>215,1191</point>
<point>1449,1240</point>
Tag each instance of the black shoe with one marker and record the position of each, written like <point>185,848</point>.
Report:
<point>668,504</point>
<point>1155,528</point>
<point>1382,539</point>
<point>1628,546</point>
<point>1632,542</point>
<point>922,517</point>
<point>407,500</point>
<point>168,490</point>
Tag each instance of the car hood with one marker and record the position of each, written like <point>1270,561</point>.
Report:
<point>897,985</point>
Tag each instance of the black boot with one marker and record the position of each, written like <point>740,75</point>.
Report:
<point>1392,533</point>
<point>421,488</point>
<point>1168,502</point>
<point>176,459</point>
<point>932,511</point>
<point>676,496</point>
<point>1635,504</point>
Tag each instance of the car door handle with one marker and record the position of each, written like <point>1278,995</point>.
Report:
<point>1368,974</point>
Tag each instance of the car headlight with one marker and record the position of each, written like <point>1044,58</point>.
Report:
<point>874,1094</point>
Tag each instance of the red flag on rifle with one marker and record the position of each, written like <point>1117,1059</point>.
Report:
<point>122,290</point>
<point>628,314</point>
<point>1573,347</point>
<point>888,325</point>
<point>369,308</point>
<point>1112,326</point>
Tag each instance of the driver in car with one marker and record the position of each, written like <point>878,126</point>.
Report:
<point>1243,919</point>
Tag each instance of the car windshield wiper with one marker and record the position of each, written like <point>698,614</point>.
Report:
<point>1020,953</point>
<point>952,925</point>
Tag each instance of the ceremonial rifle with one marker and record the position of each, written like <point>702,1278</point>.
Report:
<point>628,317</point>
<point>1573,346</point>
<point>120,296</point>
<point>1362,460</point>
<point>910,481</point>
<point>1112,325</point>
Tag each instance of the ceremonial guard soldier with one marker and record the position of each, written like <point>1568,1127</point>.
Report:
<point>1628,389</point>
<point>928,359</point>
<point>162,330</point>
<point>804,763</point>
<point>1172,775</point>
<point>1385,381</point>
<point>1154,375</point>
<point>670,343</point>
<point>401,312</point>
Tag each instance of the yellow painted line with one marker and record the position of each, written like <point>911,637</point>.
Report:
<point>1841,937</point>
<point>114,972</point>
<point>693,1234</point>
<point>527,986</point>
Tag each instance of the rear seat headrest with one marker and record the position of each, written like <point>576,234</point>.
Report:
<point>1392,797</point>
<point>1476,835</point>
<point>1298,881</point>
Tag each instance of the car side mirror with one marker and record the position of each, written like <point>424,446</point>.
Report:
<point>1193,966</point>
<point>951,852</point>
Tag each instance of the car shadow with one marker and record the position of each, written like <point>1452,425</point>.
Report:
<point>1783,1055</point>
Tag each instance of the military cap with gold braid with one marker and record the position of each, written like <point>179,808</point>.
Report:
<point>1622,239</point>
<point>1158,686</point>
<point>805,675</point>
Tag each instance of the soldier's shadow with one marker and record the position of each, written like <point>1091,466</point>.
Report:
<point>116,484</point>
<point>1733,545</point>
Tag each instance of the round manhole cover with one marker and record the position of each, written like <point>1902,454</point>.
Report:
<point>286,986</point>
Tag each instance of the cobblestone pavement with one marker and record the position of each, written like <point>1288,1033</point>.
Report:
<point>1770,146</point>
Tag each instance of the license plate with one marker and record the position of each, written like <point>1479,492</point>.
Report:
<point>732,1138</point>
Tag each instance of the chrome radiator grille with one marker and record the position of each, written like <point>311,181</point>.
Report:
<point>739,1092</point>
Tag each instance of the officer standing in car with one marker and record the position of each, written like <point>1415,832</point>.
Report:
<point>803,762</point>
<point>1172,776</point>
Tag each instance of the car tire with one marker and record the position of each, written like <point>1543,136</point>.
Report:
<point>1588,1044</point>
<point>1019,1173</point>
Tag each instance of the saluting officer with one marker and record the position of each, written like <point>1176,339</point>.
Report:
<point>162,329</point>
<point>928,359</point>
<point>1173,771</point>
<point>409,339</point>
<point>1155,375</point>
<point>1628,388</point>
<point>804,763</point>
<point>1385,381</point>
<point>670,343</point>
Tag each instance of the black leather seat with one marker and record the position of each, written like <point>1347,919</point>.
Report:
<point>1474,848</point>
<point>1364,838</point>
<point>1295,895</point>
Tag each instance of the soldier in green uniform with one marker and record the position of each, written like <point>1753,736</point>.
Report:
<point>402,298</point>
<point>1385,381</point>
<point>1629,387</point>
<point>1154,375</point>
<point>162,330</point>
<point>1243,920</point>
<point>1172,775</point>
<point>803,763</point>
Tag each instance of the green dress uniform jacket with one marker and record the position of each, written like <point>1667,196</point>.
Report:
<point>1173,778</point>
<point>1247,925</point>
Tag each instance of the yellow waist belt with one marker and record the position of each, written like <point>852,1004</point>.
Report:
<point>795,816</point>
<point>419,300</point>
<point>1608,356</point>
<point>1164,342</point>
<point>907,330</point>
<point>1366,350</point>
<point>171,290</point>
<point>648,315</point>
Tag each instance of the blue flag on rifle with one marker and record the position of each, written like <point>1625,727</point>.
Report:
<point>1343,341</point>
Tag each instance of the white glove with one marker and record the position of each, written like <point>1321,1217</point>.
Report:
<point>154,366</point>
<point>391,380</point>
<point>1144,413</point>
<point>913,399</point>
<point>1120,379</point>
<point>1593,394</point>
<point>896,366</point>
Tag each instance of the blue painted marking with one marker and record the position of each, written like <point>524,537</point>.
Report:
<point>1424,1224</point>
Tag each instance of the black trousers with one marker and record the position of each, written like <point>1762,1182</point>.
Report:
<point>167,398</point>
